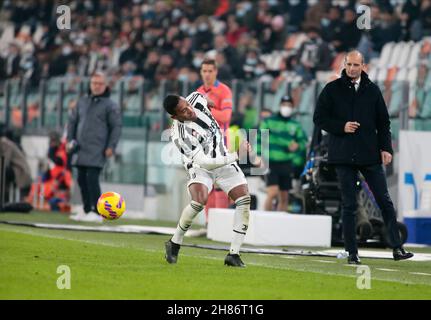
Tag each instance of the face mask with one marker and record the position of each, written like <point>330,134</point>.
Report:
<point>28,65</point>
<point>286,111</point>
<point>240,13</point>
<point>183,77</point>
<point>259,71</point>
<point>192,31</point>
<point>66,51</point>
<point>325,22</point>
<point>247,6</point>
<point>197,62</point>
<point>203,27</point>
<point>184,26</point>
<point>250,61</point>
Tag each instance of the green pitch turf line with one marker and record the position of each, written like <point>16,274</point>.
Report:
<point>119,267</point>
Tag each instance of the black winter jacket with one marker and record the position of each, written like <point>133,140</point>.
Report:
<point>339,103</point>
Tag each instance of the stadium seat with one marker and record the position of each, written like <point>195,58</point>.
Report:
<point>382,75</point>
<point>396,54</point>
<point>7,37</point>
<point>395,129</point>
<point>426,48</point>
<point>404,57</point>
<point>307,99</point>
<point>426,107</point>
<point>337,64</point>
<point>386,55</point>
<point>397,98</point>
<point>373,74</point>
<point>414,55</point>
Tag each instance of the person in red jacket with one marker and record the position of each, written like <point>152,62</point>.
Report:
<point>219,98</point>
<point>55,183</point>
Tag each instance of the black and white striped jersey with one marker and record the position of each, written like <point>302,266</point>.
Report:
<point>202,134</point>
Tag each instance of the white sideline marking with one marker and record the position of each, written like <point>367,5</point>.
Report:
<point>385,254</point>
<point>389,270</point>
<point>273,255</point>
<point>324,261</point>
<point>421,273</point>
<point>118,245</point>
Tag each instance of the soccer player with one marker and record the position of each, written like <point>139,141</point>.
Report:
<point>219,97</point>
<point>198,137</point>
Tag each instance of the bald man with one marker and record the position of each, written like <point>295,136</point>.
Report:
<point>352,110</point>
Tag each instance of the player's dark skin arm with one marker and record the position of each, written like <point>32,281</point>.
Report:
<point>199,192</point>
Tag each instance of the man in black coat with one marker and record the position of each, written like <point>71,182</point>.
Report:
<point>352,110</point>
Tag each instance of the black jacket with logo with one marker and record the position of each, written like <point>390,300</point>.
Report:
<point>339,103</point>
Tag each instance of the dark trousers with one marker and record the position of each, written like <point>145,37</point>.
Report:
<point>376,180</point>
<point>88,181</point>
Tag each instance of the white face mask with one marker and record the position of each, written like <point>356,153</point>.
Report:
<point>67,50</point>
<point>286,111</point>
<point>197,62</point>
<point>183,77</point>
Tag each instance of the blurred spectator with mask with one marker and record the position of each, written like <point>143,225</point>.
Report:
<point>107,34</point>
<point>331,24</point>
<point>287,153</point>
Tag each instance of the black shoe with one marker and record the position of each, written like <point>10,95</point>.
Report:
<point>401,254</point>
<point>353,259</point>
<point>234,260</point>
<point>172,250</point>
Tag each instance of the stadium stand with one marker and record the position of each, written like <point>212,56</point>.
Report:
<point>149,48</point>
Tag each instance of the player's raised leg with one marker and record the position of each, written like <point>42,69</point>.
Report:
<point>199,195</point>
<point>242,200</point>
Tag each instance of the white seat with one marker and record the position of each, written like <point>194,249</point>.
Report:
<point>395,54</point>
<point>7,37</point>
<point>373,74</point>
<point>402,74</point>
<point>414,55</point>
<point>405,54</point>
<point>381,75</point>
<point>412,75</point>
<point>386,54</point>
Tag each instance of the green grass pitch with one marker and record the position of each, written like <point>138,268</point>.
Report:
<point>131,266</point>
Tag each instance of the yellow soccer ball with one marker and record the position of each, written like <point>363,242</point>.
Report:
<point>111,205</point>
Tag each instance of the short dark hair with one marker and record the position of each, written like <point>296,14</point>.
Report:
<point>209,61</point>
<point>170,103</point>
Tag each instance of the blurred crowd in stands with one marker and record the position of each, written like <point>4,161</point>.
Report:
<point>169,39</point>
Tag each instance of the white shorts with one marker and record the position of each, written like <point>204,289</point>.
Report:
<point>226,177</point>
